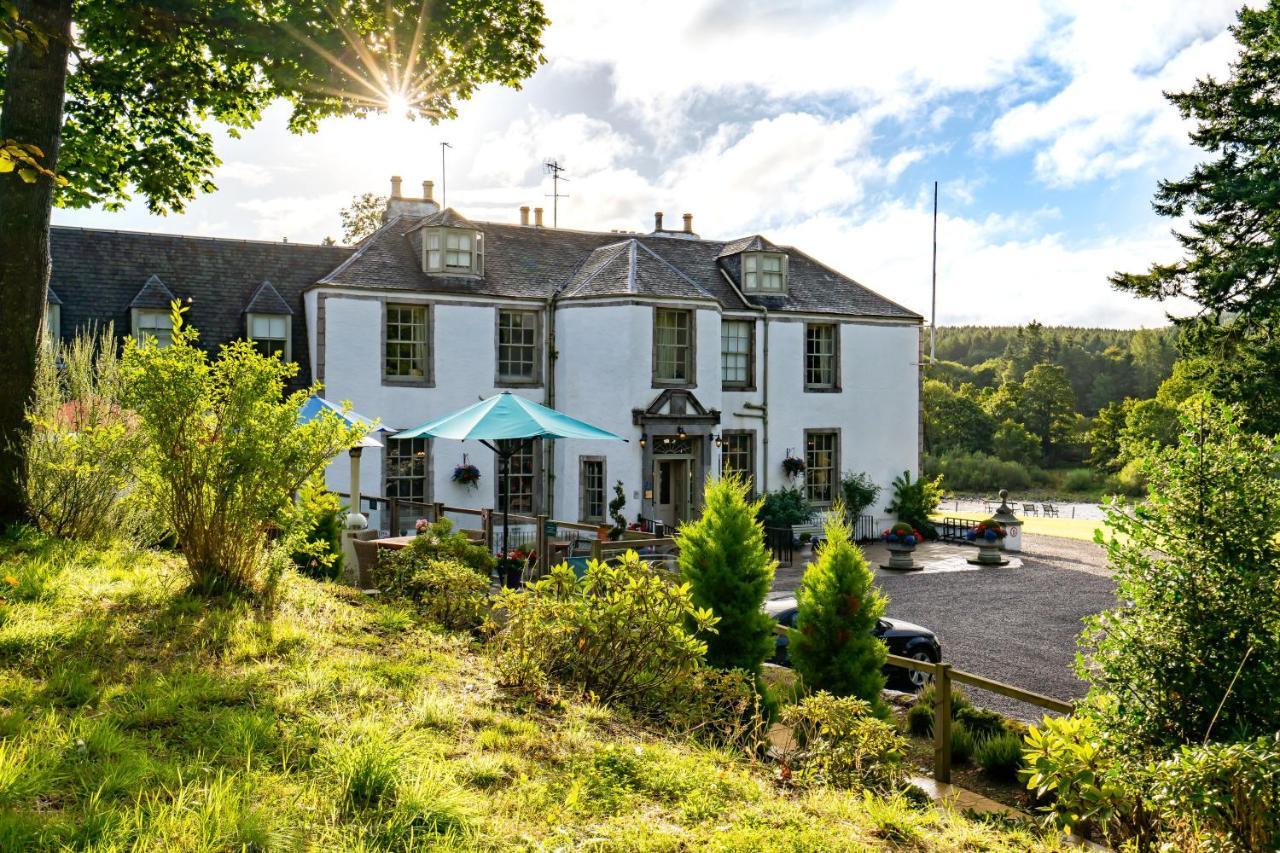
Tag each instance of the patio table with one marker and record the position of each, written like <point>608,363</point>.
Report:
<point>393,543</point>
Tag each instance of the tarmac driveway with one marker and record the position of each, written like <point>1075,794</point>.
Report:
<point>1018,625</point>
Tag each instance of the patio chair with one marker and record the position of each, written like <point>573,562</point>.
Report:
<point>366,559</point>
<point>1030,509</point>
<point>1050,511</point>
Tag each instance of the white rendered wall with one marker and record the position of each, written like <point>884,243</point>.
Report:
<point>604,371</point>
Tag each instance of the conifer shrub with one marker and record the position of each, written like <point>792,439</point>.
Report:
<point>319,517</point>
<point>832,646</point>
<point>729,571</point>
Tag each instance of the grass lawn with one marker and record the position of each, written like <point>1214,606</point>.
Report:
<point>134,716</point>
<point>1066,528</point>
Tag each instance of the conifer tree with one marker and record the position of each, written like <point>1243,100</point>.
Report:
<point>724,559</point>
<point>832,645</point>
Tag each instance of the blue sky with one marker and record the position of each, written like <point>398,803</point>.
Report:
<point>821,125</point>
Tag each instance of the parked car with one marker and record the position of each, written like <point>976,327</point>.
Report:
<point>903,638</point>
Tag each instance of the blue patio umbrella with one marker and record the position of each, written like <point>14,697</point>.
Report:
<point>507,416</point>
<point>315,406</point>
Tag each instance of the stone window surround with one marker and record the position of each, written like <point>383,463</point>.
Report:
<point>583,515</point>
<point>752,453</point>
<point>834,387</point>
<point>835,463</point>
<point>429,379</point>
<point>750,384</point>
<point>692,360</point>
<point>499,381</point>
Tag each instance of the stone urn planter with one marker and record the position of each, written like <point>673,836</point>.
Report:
<point>900,541</point>
<point>989,537</point>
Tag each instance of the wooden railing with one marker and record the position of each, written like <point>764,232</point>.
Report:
<point>943,675</point>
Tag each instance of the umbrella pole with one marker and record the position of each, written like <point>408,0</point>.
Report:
<point>506,508</point>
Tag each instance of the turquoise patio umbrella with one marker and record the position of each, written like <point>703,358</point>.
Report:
<point>315,406</point>
<point>507,416</point>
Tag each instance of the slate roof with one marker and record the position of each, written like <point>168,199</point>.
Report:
<point>99,274</point>
<point>522,261</point>
<point>52,298</point>
<point>267,300</point>
<point>153,295</point>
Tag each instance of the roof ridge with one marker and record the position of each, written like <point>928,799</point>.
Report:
<point>617,250</point>
<point>139,233</point>
<point>361,248</point>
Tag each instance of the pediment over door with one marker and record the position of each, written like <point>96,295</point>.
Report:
<point>676,404</point>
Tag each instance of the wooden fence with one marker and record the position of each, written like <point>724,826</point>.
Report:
<point>943,676</point>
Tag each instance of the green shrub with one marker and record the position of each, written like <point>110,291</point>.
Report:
<point>981,473</point>
<point>1013,442</point>
<point>1220,796</point>
<point>319,517</point>
<point>841,742</point>
<point>1080,480</point>
<point>619,632</point>
<point>914,501</point>
<point>1192,652</point>
<point>785,508</point>
<point>1089,790</point>
<point>832,646</point>
<point>439,541</point>
<point>859,492</point>
<point>1000,756</point>
<point>446,592</point>
<point>228,448</point>
<point>725,708</point>
<point>920,720</point>
<point>963,744</point>
<point>729,571</point>
<point>981,722</point>
<point>83,451</point>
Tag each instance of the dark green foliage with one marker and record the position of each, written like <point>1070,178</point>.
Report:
<point>978,473</point>
<point>1048,408</point>
<point>954,420</point>
<point>615,512</point>
<point>859,492</point>
<point>1000,756</point>
<point>920,719</point>
<point>320,512</point>
<point>729,570</point>
<point>1104,436</point>
<point>1195,570</point>
<point>980,722</point>
<point>963,744</point>
<point>914,501</point>
<point>832,645</point>
<point>1012,442</point>
<point>785,508</point>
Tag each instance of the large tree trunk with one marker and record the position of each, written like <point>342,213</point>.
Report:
<point>35,85</point>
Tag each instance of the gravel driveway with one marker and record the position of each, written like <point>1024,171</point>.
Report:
<point>1016,625</point>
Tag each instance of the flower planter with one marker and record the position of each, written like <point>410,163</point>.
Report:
<point>900,557</point>
<point>989,537</point>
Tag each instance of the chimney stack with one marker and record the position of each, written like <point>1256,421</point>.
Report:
<point>395,186</point>
<point>428,187</point>
<point>524,214</point>
<point>688,223</point>
<point>657,221</point>
<point>537,216</point>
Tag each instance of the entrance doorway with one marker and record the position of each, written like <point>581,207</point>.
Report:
<point>673,492</point>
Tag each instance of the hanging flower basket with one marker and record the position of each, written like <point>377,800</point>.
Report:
<point>792,465</point>
<point>466,474</point>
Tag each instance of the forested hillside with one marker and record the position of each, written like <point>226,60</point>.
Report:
<point>1026,407</point>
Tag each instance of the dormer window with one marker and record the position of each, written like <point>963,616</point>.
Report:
<point>453,251</point>
<point>270,334</point>
<point>764,272</point>
<point>151,325</point>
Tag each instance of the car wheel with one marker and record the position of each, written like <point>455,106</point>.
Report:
<point>919,678</point>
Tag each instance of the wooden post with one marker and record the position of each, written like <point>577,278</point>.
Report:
<point>597,550</point>
<point>393,517</point>
<point>437,510</point>
<point>486,524</point>
<point>942,723</point>
<point>541,563</point>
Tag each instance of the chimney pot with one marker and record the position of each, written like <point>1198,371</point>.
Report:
<point>657,221</point>
<point>688,223</point>
<point>524,214</point>
<point>395,186</point>
<point>428,188</point>
<point>537,216</point>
